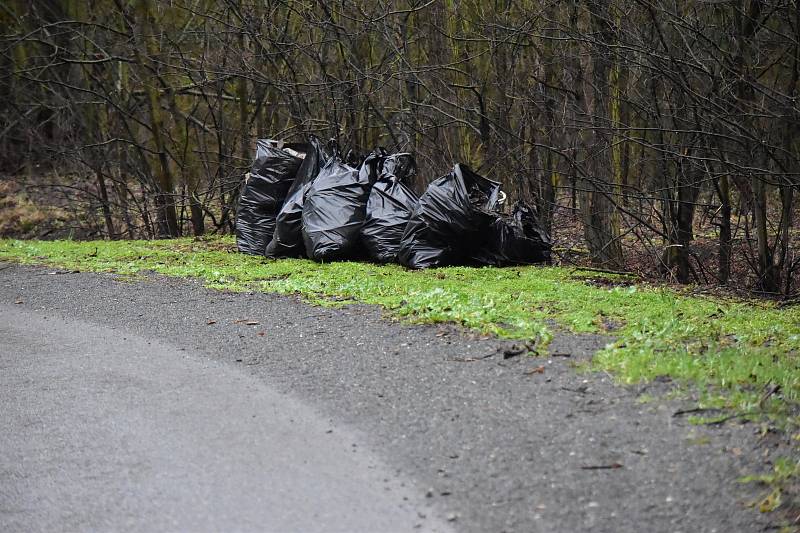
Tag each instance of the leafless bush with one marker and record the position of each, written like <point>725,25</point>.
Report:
<point>665,128</point>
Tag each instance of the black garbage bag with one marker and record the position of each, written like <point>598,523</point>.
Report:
<point>389,208</point>
<point>287,240</point>
<point>451,222</point>
<point>271,175</point>
<point>335,208</point>
<point>519,239</point>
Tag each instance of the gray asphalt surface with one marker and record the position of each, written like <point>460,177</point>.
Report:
<point>490,444</point>
<point>106,432</point>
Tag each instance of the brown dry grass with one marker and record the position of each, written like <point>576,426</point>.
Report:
<point>19,217</point>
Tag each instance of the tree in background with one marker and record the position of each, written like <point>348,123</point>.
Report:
<point>651,134</point>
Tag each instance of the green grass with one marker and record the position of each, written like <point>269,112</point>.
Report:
<point>780,480</point>
<point>731,354</point>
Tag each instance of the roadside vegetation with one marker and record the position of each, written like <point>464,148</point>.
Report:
<point>739,358</point>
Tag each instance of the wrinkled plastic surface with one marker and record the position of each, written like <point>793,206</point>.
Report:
<point>287,240</point>
<point>335,208</point>
<point>451,222</point>
<point>271,176</point>
<point>389,208</point>
<point>518,239</point>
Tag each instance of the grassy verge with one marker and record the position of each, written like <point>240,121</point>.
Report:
<point>737,356</point>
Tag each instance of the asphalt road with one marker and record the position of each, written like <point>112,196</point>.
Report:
<point>159,405</point>
<point>107,431</point>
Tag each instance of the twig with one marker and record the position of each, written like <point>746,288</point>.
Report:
<point>787,302</point>
<point>580,390</point>
<point>772,390</point>
<point>605,271</point>
<point>612,466</point>
<point>724,419</point>
<point>470,359</point>
<point>695,410</point>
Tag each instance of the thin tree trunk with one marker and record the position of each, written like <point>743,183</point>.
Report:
<point>724,192</point>
<point>746,18</point>
<point>101,185</point>
<point>601,229</point>
<point>165,204</point>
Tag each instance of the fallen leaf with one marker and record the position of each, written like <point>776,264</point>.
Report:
<point>211,321</point>
<point>771,502</point>
<point>537,370</point>
<point>19,302</point>
<point>261,333</point>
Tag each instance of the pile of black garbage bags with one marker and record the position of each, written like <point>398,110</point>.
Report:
<point>307,200</point>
